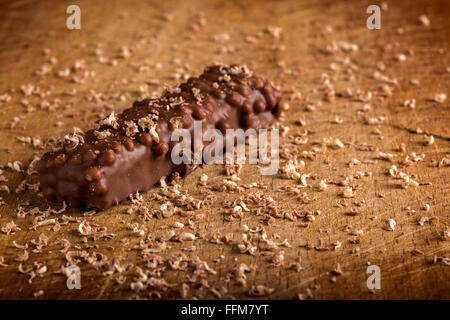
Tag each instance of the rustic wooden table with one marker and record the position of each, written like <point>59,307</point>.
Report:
<point>336,74</point>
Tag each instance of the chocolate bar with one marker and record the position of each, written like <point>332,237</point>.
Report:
<point>130,152</point>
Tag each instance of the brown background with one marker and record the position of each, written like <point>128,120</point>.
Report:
<point>293,61</point>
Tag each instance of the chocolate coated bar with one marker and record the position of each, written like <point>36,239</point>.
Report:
<point>130,152</point>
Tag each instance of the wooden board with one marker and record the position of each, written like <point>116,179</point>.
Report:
<point>170,39</point>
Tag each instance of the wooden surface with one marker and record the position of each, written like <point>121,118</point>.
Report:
<point>169,39</point>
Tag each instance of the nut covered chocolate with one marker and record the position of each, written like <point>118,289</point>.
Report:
<point>130,152</point>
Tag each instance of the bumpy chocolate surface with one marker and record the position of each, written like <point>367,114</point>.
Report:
<point>130,152</point>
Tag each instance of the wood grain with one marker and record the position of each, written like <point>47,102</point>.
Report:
<point>296,62</point>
